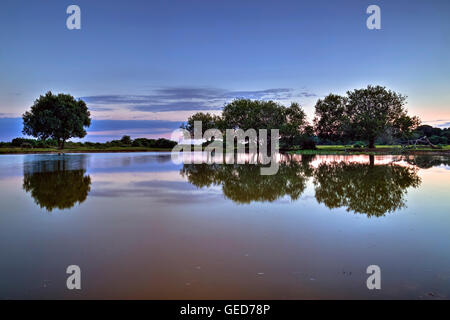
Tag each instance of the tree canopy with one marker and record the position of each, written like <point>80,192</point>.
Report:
<point>330,118</point>
<point>208,120</point>
<point>254,114</point>
<point>364,114</point>
<point>59,117</point>
<point>371,114</point>
<point>259,114</point>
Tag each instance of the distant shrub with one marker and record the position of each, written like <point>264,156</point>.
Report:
<point>359,145</point>
<point>443,140</point>
<point>308,144</point>
<point>26,145</point>
<point>17,142</point>
<point>304,142</point>
<point>113,143</point>
<point>126,140</point>
<point>51,143</point>
<point>435,139</point>
<point>165,143</point>
<point>152,143</point>
<point>41,144</point>
<point>137,143</point>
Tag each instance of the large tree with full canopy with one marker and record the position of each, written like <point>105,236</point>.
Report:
<point>248,114</point>
<point>364,114</point>
<point>259,114</point>
<point>59,117</point>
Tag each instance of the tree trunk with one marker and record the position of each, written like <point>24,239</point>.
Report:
<point>372,160</point>
<point>61,143</point>
<point>269,144</point>
<point>371,143</point>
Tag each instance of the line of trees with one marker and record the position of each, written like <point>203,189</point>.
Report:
<point>125,141</point>
<point>435,135</point>
<point>370,114</point>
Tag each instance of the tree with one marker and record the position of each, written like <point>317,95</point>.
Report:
<point>126,140</point>
<point>364,114</point>
<point>427,130</point>
<point>253,114</point>
<point>330,117</point>
<point>295,123</point>
<point>374,110</point>
<point>59,117</point>
<point>258,114</point>
<point>208,120</point>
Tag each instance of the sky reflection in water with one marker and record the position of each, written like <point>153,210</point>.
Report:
<point>154,229</point>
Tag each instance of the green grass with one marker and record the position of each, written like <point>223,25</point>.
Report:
<point>321,150</point>
<point>17,150</point>
<point>331,152</point>
<point>349,146</point>
<point>382,149</point>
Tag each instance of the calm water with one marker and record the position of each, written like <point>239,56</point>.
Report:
<point>141,226</point>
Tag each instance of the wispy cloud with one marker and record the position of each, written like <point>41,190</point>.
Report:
<point>441,123</point>
<point>444,125</point>
<point>187,98</point>
<point>103,130</point>
<point>174,192</point>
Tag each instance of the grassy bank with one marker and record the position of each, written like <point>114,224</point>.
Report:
<point>321,150</point>
<point>380,150</point>
<point>18,150</point>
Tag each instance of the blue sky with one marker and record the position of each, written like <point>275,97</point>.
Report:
<point>146,64</point>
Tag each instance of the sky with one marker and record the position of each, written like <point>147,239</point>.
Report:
<point>144,66</point>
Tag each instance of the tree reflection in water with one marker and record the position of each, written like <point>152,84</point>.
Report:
<point>427,161</point>
<point>364,188</point>
<point>360,187</point>
<point>57,182</point>
<point>243,183</point>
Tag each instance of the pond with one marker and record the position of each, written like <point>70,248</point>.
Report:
<point>142,226</point>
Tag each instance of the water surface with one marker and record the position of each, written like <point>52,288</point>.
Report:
<point>141,226</point>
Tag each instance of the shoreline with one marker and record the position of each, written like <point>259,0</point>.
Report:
<point>326,150</point>
<point>55,151</point>
<point>370,152</point>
